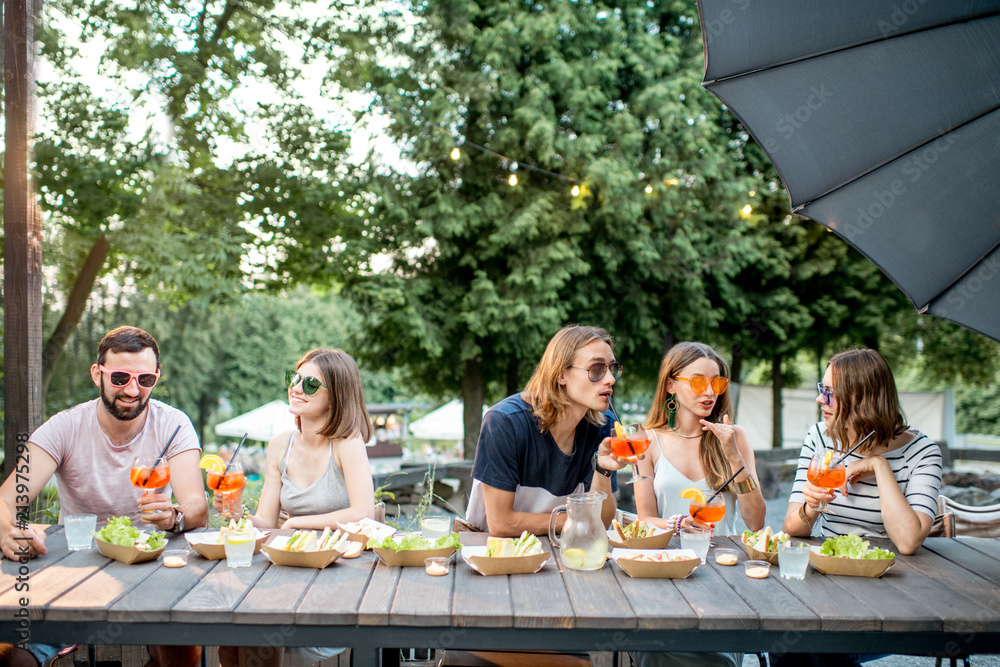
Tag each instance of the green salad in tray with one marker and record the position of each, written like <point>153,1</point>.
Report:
<point>852,546</point>
<point>416,542</point>
<point>120,531</point>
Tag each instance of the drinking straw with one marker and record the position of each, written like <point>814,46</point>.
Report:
<point>851,450</point>
<point>720,490</point>
<point>613,411</point>
<point>235,452</point>
<point>158,458</point>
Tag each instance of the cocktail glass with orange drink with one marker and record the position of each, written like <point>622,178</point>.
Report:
<point>708,512</point>
<point>826,473</point>
<point>226,480</point>
<point>150,473</point>
<point>630,442</point>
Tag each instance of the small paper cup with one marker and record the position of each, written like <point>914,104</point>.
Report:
<point>175,558</point>
<point>757,569</point>
<point>437,566</point>
<point>727,557</point>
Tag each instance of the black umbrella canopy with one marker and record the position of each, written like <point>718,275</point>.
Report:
<point>882,119</point>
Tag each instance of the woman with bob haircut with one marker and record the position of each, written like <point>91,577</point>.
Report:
<point>694,445</point>
<point>317,474</point>
<point>537,447</point>
<point>893,478</point>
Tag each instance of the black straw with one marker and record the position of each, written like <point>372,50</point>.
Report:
<point>160,457</point>
<point>235,452</point>
<point>851,450</point>
<point>613,411</point>
<point>720,490</point>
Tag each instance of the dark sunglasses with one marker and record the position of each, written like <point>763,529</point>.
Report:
<point>699,384</point>
<point>122,378</point>
<point>827,394</point>
<point>597,371</point>
<point>310,385</point>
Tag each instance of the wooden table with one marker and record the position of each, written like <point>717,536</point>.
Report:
<point>943,600</point>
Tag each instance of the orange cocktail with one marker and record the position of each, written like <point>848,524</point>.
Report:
<point>149,473</point>
<point>830,478</point>
<point>231,481</point>
<point>226,480</point>
<point>711,513</point>
<point>826,473</point>
<point>630,442</point>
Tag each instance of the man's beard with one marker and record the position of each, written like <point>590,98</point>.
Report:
<point>119,413</point>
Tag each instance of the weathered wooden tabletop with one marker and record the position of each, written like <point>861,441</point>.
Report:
<point>945,599</point>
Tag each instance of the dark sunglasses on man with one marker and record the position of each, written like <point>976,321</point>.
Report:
<point>122,378</point>
<point>596,371</point>
<point>310,385</point>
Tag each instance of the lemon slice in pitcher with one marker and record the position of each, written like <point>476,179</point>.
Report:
<point>574,558</point>
<point>693,494</point>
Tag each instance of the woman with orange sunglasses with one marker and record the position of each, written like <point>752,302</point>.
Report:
<point>694,445</point>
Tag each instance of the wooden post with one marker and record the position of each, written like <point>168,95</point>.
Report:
<point>22,340</point>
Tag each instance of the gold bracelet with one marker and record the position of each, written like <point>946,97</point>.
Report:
<point>746,486</point>
<point>805,515</point>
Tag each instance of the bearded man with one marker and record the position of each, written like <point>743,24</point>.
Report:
<point>90,448</point>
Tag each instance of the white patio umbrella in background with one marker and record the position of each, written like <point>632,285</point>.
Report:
<point>261,423</point>
<point>445,423</point>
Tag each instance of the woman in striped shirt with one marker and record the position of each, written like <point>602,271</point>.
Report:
<point>892,479</point>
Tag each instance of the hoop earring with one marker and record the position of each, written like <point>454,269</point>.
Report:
<point>670,405</point>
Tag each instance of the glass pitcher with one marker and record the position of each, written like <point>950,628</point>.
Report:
<point>584,541</point>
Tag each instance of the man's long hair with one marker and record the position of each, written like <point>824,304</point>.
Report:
<point>543,392</point>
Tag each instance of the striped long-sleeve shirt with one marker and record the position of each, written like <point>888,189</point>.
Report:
<point>916,466</point>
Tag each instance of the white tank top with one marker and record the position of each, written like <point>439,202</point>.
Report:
<point>668,482</point>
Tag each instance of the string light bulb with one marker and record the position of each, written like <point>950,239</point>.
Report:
<point>512,180</point>
<point>747,210</point>
<point>575,191</point>
<point>649,189</point>
<point>753,193</point>
<point>455,153</point>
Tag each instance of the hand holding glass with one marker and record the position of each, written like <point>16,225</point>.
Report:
<point>150,474</point>
<point>633,445</point>
<point>826,473</point>
<point>227,485</point>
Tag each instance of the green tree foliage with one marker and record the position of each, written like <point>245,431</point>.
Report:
<point>189,212</point>
<point>482,273</point>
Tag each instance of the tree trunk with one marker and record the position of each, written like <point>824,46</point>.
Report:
<point>777,382</point>
<point>23,399</point>
<point>77,301</point>
<point>737,368</point>
<point>473,396</point>
<point>513,379</point>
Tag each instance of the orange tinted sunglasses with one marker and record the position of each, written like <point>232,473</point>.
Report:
<point>700,383</point>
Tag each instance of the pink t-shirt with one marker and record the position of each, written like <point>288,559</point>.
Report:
<point>92,474</point>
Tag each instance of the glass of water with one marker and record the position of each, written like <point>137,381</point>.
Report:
<point>433,527</point>
<point>78,530</point>
<point>239,549</point>
<point>698,540</point>
<point>793,559</point>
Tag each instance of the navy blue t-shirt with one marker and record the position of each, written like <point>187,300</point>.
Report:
<point>512,451</point>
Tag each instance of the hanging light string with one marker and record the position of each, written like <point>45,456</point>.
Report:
<point>515,164</point>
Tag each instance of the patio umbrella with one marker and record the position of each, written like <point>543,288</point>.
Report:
<point>882,119</point>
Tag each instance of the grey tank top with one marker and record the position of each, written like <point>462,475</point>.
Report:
<point>326,494</point>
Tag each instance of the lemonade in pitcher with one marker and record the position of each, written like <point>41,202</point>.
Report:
<point>583,544</point>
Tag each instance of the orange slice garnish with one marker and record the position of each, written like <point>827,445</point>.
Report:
<point>693,494</point>
<point>619,429</point>
<point>826,460</point>
<point>212,463</point>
